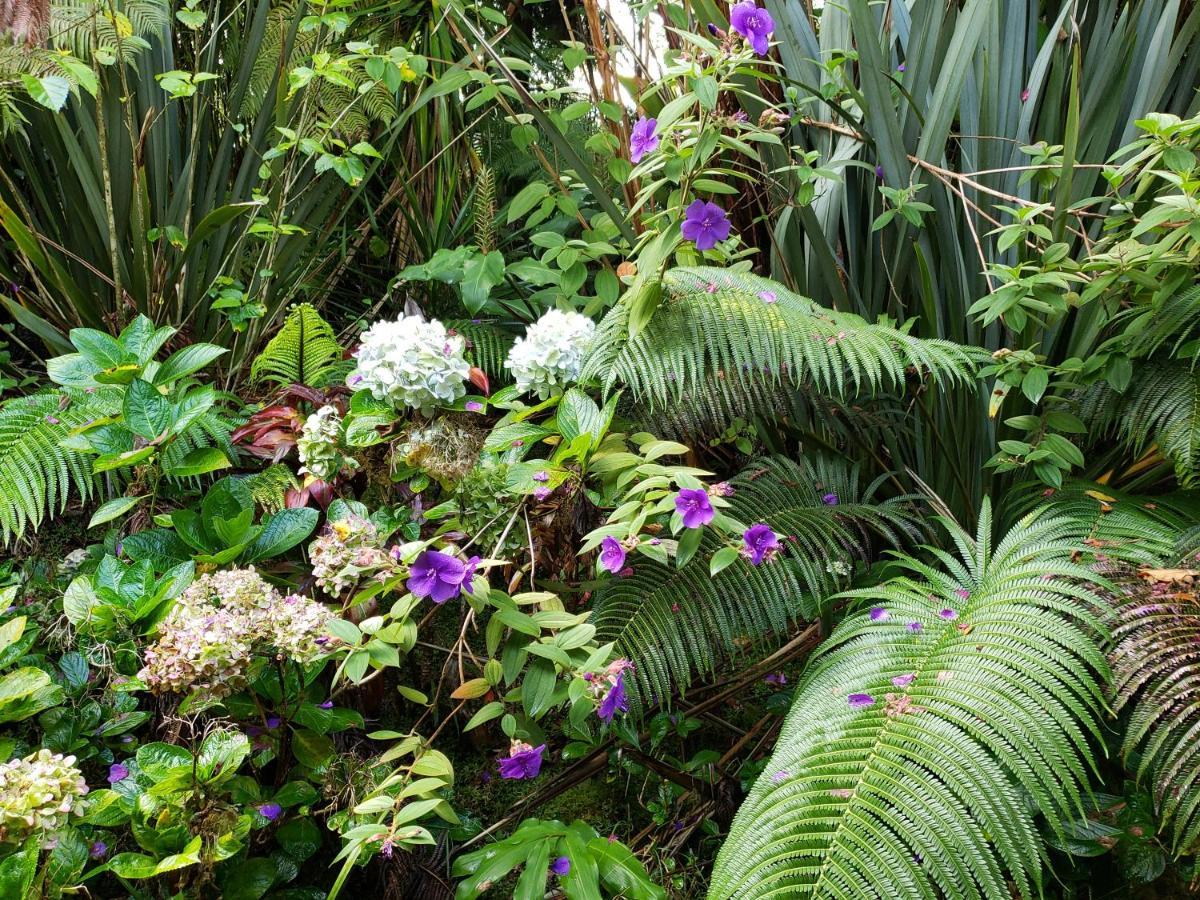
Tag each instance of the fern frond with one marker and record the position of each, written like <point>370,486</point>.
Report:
<point>1156,675</point>
<point>1161,406</point>
<point>38,474</point>
<point>742,329</point>
<point>270,486</point>
<point>926,785</point>
<point>304,351</point>
<point>675,623</point>
<point>487,347</point>
<point>1169,322</point>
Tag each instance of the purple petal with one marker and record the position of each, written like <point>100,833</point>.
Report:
<point>860,701</point>
<point>270,811</point>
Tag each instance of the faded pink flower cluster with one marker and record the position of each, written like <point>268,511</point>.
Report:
<point>39,793</point>
<point>345,553</point>
<point>220,622</point>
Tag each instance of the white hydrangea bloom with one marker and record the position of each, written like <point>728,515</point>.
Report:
<point>411,363</point>
<point>550,356</point>
<point>319,445</point>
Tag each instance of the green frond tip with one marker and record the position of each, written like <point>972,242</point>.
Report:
<point>716,323</point>
<point>675,623</point>
<point>38,474</point>
<point>1156,676</point>
<point>304,351</point>
<point>487,347</point>
<point>914,760</point>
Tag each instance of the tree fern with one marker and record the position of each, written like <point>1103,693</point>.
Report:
<point>304,351</point>
<point>487,347</point>
<point>742,329</point>
<point>674,623</point>
<point>913,761</point>
<point>37,474</point>
<point>1156,676</point>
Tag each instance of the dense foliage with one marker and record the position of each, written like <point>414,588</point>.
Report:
<point>621,449</point>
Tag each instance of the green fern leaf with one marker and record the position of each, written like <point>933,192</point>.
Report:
<point>304,351</point>
<point>927,785</point>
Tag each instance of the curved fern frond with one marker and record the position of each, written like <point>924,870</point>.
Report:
<point>1169,322</point>
<point>487,347</point>
<point>675,623</point>
<point>304,351</point>
<point>1156,675</point>
<point>1161,406</point>
<point>746,330</point>
<point>38,474</point>
<point>913,761</point>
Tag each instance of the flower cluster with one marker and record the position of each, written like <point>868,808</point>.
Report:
<point>411,363</point>
<point>208,639</point>
<point>320,446</point>
<point>345,553</point>
<point>609,689</point>
<point>550,355</point>
<point>38,794</point>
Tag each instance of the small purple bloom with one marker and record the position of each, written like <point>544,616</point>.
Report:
<point>949,614</point>
<point>522,761</point>
<point>776,679</point>
<point>436,575</point>
<point>914,627</point>
<point>117,772</point>
<point>273,722</point>
<point>878,614</point>
<point>860,701</point>
<point>560,866</point>
<point>962,594</point>
<point>541,493</point>
<point>830,499</point>
<point>612,555</point>
<point>781,775</point>
<point>754,24</point>
<point>614,701</point>
<point>270,811</point>
<point>712,29</point>
<point>761,543</point>
<point>474,406</point>
<point>328,704</point>
<point>541,476</point>
<point>900,68</point>
<point>468,581</point>
<point>642,139</point>
<point>693,504</point>
<point>353,380</point>
<point>903,681</point>
<point>705,224</point>
<point>52,420</point>
<point>767,296</point>
<point>99,850</point>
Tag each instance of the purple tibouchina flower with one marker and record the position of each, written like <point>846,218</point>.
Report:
<point>614,701</point>
<point>761,543</point>
<point>612,555</point>
<point>754,24</point>
<point>705,224</point>
<point>642,139</point>
<point>523,761</point>
<point>468,581</point>
<point>860,701</point>
<point>900,68</point>
<point>436,575</point>
<point>474,406</point>
<point>768,296</point>
<point>541,476</point>
<point>903,681</point>
<point>949,614</point>
<point>117,772</point>
<point>560,866</point>
<point>328,704</point>
<point>830,499</point>
<point>270,811</point>
<point>776,679</point>
<point>879,172</point>
<point>273,722</point>
<point>541,493</point>
<point>878,614</point>
<point>99,850</point>
<point>914,627</point>
<point>693,504</point>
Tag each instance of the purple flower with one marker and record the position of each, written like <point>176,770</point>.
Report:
<point>761,543</point>
<point>273,722</point>
<point>560,866</point>
<point>705,224</point>
<point>612,555</point>
<point>541,493</point>
<point>693,504</point>
<point>830,499</point>
<point>117,772</point>
<point>474,406</point>
<point>767,296</point>
<point>879,172</point>
<point>436,575</point>
<point>614,701</point>
<point>328,704</point>
<point>468,581</point>
<point>270,811</point>
<point>99,850</point>
<point>541,475</point>
<point>52,420</point>
<point>949,614</point>
<point>914,627</point>
<point>776,679</point>
<point>754,24</point>
<point>523,761</point>
<point>962,594</point>
<point>900,68</point>
<point>860,701</point>
<point>903,681</point>
<point>642,139</point>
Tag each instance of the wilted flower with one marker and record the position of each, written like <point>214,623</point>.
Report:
<point>914,627</point>
<point>523,761</point>
<point>962,594</point>
<point>768,296</point>
<point>99,850</point>
<point>541,493</point>
<point>949,614</point>
<point>474,406</point>
<point>440,576</point>
<point>902,681</point>
<point>705,224</point>
<point>760,543</point>
<point>550,355</point>
<point>291,627</point>
<point>345,553</point>
<point>319,445</point>
<point>612,554</point>
<point>693,504</point>
<point>754,24</point>
<point>776,679</point>
<point>860,701</point>
<point>38,794</point>
<point>411,364</point>
<point>642,139</point>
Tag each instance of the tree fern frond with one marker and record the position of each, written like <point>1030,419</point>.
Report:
<point>914,760</point>
<point>487,347</point>
<point>714,323</point>
<point>674,623</point>
<point>270,486</point>
<point>1167,323</point>
<point>38,474</point>
<point>304,351</point>
<point>1156,675</point>
<point>1161,406</point>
